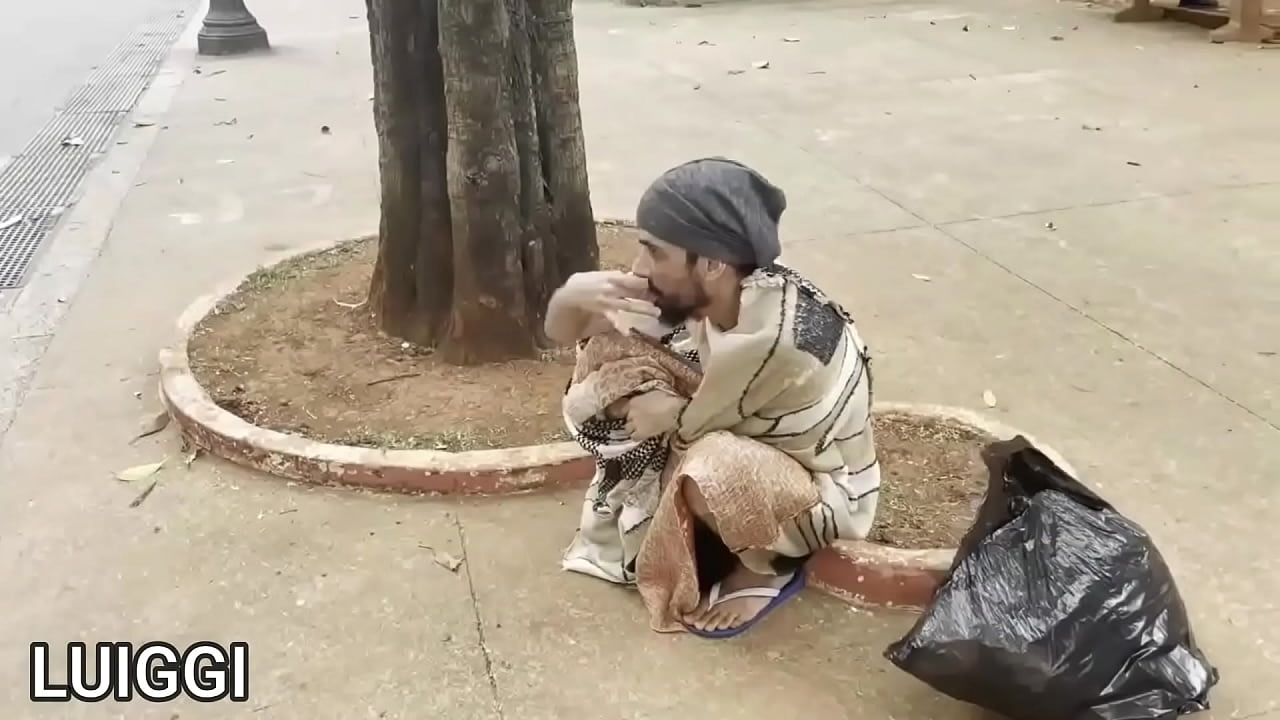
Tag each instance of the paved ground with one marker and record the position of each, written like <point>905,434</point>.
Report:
<point>1138,335</point>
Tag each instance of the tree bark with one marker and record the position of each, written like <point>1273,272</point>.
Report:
<point>490,320</point>
<point>485,202</point>
<point>411,291</point>
<point>541,274</point>
<point>564,153</point>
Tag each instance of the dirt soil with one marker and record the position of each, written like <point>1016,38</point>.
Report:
<point>295,350</point>
<point>932,477</point>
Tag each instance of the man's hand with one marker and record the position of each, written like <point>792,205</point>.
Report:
<point>607,290</point>
<point>653,413</point>
<point>577,309</point>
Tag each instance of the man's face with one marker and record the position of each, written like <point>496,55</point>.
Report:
<point>676,285</point>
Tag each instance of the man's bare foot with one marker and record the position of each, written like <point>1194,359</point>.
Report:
<point>730,614</point>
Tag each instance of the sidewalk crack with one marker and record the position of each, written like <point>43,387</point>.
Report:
<point>1097,321</point>
<point>475,608</point>
<point>942,228</point>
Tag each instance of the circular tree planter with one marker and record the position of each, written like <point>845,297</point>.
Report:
<point>863,573</point>
<point>445,470</point>
<point>221,433</point>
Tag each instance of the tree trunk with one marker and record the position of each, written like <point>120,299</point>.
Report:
<point>541,272</point>
<point>412,289</point>
<point>564,153</point>
<point>485,202</point>
<point>490,320</point>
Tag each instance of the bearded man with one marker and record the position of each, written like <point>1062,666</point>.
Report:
<point>784,392</point>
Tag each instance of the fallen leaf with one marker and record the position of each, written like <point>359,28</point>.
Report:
<point>10,222</point>
<point>924,278</point>
<point>760,64</point>
<point>152,425</point>
<point>324,130</point>
<point>790,40</point>
<point>143,123</point>
<point>1056,38</point>
<point>444,559</point>
<point>143,495</point>
<point>965,28</point>
<point>705,42</point>
<point>216,72</point>
<point>138,472</point>
<point>1134,164</point>
<point>1050,226</point>
<point>989,398</point>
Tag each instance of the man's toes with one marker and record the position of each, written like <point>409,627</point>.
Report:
<point>697,615</point>
<point>702,619</point>
<point>726,619</point>
<point>708,619</point>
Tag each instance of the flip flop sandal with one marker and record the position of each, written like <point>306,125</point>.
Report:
<point>777,597</point>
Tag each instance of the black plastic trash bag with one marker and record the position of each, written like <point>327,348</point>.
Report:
<point>1057,608</point>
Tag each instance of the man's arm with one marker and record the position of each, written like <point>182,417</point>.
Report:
<point>577,309</point>
<point>566,324</point>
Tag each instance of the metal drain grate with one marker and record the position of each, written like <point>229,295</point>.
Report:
<point>40,182</point>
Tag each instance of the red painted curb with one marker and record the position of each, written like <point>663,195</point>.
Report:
<point>864,573</point>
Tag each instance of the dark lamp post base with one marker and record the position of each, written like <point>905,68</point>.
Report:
<point>230,29</point>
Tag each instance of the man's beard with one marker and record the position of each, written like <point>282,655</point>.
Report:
<point>675,313</point>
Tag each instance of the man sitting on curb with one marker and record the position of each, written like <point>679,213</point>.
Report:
<point>784,382</point>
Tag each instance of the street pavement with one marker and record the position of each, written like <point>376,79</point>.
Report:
<point>74,68</point>
<point>1094,216</point>
<point>49,48</point>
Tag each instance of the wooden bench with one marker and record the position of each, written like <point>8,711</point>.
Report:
<point>1243,21</point>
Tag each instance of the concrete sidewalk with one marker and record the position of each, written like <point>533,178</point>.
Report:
<point>1138,334</point>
